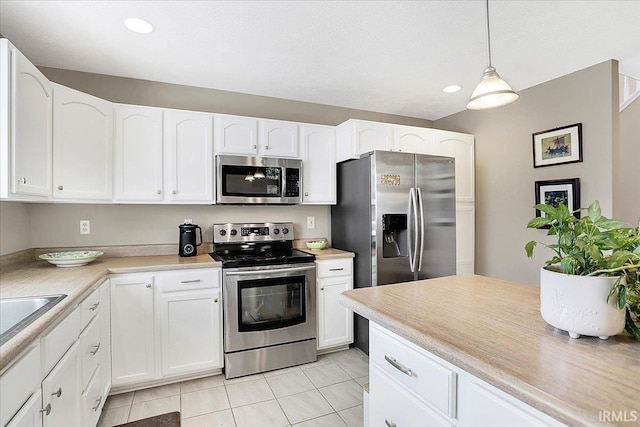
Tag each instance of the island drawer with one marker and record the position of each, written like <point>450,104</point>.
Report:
<point>429,380</point>
<point>334,267</point>
<point>89,308</point>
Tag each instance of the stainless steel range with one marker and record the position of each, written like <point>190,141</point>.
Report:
<point>269,298</point>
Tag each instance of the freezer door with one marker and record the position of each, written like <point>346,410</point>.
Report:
<point>435,188</point>
<point>393,178</point>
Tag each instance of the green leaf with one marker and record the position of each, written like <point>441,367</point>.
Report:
<point>529,248</point>
<point>538,222</point>
<point>594,211</point>
<point>594,252</point>
<point>609,224</point>
<point>563,212</point>
<point>568,265</point>
<point>548,209</point>
<point>631,327</point>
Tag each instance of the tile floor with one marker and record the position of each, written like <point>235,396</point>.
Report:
<point>324,393</point>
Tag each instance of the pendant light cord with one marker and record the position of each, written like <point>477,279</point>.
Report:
<point>488,35</point>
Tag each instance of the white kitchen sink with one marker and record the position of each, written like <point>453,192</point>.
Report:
<point>17,313</point>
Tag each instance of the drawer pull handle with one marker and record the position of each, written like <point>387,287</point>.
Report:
<point>97,347</point>
<point>393,362</point>
<point>148,285</point>
<point>215,300</point>
<point>98,402</point>
<point>94,306</point>
<point>191,281</point>
<point>47,409</point>
<point>322,288</point>
<point>389,423</point>
<point>57,393</point>
<point>336,269</point>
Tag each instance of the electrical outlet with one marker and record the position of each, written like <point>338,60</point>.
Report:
<point>311,222</point>
<point>85,226</point>
<point>188,221</point>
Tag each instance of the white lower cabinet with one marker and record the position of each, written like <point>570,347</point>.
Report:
<point>92,400</point>
<point>61,391</point>
<point>335,322</point>
<point>18,384</point>
<point>164,325</point>
<point>409,386</point>
<point>30,414</point>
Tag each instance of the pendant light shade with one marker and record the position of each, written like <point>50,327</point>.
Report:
<point>492,91</point>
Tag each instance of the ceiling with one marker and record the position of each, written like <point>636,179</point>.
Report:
<point>386,56</point>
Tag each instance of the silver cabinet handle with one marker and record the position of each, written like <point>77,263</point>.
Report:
<point>57,393</point>
<point>215,300</point>
<point>47,409</point>
<point>98,402</point>
<point>174,192</point>
<point>393,362</point>
<point>22,180</point>
<point>148,285</point>
<point>97,347</point>
<point>255,146</point>
<point>336,269</point>
<point>191,281</point>
<point>158,191</point>
<point>306,193</point>
<point>60,187</point>
<point>94,306</point>
<point>389,423</point>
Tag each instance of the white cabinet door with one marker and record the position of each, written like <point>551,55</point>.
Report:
<point>29,415</point>
<point>82,146</point>
<point>190,330</point>
<point>356,137</point>
<point>278,139</point>
<point>461,147</point>
<point>138,154</point>
<point>189,156</point>
<point>61,392</point>
<point>412,139</point>
<point>18,383</point>
<point>92,400</point>
<point>236,135</point>
<point>318,146</point>
<point>465,238</point>
<point>335,322</point>
<point>30,127</point>
<point>132,329</point>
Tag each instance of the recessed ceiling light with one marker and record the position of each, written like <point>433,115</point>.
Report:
<point>138,25</point>
<point>452,89</point>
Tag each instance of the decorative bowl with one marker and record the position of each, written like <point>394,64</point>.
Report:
<point>70,259</point>
<point>316,245</point>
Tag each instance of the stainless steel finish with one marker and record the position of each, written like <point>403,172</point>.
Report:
<point>148,285</point>
<point>158,191</point>
<point>57,393</point>
<point>60,187</point>
<point>97,348</point>
<point>18,313</point>
<point>390,423</point>
<point>238,341</point>
<point>94,306</point>
<point>98,402</point>
<point>232,232</point>
<point>191,281</point>
<point>421,209</point>
<point>269,358</point>
<point>47,409</point>
<point>22,181</point>
<point>412,244</point>
<point>393,362</point>
<point>257,162</point>
<point>336,269</point>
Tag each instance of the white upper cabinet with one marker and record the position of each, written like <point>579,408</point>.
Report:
<point>26,100</point>
<point>189,156</point>
<point>82,146</point>
<point>318,145</point>
<point>461,147</point>
<point>236,135</point>
<point>255,137</point>
<point>138,154</point>
<point>278,139</point>
<point>411,139</point>
<point>355,137</point>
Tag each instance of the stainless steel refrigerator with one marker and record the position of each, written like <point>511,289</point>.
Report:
<point>396,212</point>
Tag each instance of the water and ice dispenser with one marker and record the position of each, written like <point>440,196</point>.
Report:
<point>394,233</point>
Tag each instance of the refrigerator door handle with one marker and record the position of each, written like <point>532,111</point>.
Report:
<point>413,211</point>
<point>421,247</point>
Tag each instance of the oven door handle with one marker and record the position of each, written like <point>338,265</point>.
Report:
<point>263,272</point>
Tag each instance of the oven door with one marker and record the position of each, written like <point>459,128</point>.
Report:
<point>269,305</point>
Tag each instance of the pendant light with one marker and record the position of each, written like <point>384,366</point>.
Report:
<point>492,91</point>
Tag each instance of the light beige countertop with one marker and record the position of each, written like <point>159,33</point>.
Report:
<point>328,253</point>
<point>493,329</point>
<point>41,278</point>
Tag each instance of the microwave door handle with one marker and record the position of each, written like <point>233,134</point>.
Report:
<point>421,248</point>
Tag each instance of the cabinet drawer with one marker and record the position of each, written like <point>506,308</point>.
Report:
<point>18,383</point>
<point>56,342</point>
<point>186,280</point>
<point>89,308</point>
<point>92,400</point>
<point>427,379</point>
<point>391,405</point>
<point>334,267</point>
<point>89,351</point>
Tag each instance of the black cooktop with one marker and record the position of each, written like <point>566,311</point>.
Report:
<point>258,254</point>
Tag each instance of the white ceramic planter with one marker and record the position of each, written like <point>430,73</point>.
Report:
<point>578,304</point>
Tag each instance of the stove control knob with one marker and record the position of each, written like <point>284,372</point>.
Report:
<point>223,232</point>
<point>276,231</point>
<point>285,230</point>
<point>234,231</point>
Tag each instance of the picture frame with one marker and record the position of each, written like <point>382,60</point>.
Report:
<point>557,146</point>
<point>555,191</point>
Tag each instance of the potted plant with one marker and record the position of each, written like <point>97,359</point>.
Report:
<point>603,255</point>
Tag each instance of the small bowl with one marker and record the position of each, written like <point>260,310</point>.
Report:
<point>316,245</point>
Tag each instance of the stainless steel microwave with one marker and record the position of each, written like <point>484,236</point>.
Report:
<point>258,180</point>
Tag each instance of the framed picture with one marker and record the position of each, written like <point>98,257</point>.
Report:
<point>558,191</point>
<point>557,146</point>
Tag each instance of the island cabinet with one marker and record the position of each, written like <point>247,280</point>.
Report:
<point>165,325</point>
<point>410,385</point>
<point>318,150</point>
<point>82,146</point>
<point>335,322</point>
<point>26,102</point>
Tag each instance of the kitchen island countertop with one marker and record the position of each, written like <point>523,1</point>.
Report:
<point>41,278</point>
<point>493,329</point>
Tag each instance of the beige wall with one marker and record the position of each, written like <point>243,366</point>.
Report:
<point>15,232</point>
<point>627,201</point>
<point>505,174</point>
